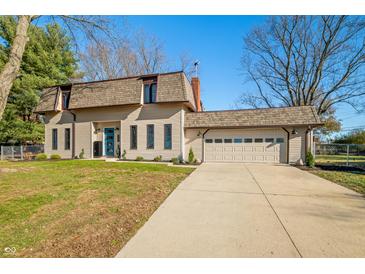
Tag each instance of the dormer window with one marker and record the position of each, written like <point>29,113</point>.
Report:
<point>150,90</point>
<point>65,99</point>
<point>65,93</point>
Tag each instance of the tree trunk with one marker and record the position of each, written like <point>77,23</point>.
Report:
<point>12,67</point>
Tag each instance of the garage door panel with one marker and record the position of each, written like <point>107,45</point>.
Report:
<point>270,149</point>
<point>259,149</point>
<point>228,157</point>
<point>270,158</point>
<point>238,158</point>
<point>228,149</point>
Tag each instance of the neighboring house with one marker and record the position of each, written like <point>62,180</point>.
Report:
<point>162,114</point>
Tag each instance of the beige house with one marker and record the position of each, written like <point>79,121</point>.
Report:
<point>161,114</point>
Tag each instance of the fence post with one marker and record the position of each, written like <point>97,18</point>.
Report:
<point>21,152</point>
<point>348,152</point>
<point>12,152</point>
<point>2,153</point>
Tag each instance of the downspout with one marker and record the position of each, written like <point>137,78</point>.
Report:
<point>205,132</point>
<point>287,145</point>
<point>182,135</point>
<point>73,134</point>
<point>307,148</point>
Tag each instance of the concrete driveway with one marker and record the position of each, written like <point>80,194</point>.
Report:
<point>254,210</point>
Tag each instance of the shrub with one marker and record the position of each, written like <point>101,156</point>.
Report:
<point>139,158</point>
<point>191,156</point>
<point>82,154</point>
<point>158,158</point>
<point>175,161</point>
<point>55,157</point>
<point>309,159</point>
<point>124,157</point>
<point>41,157</point>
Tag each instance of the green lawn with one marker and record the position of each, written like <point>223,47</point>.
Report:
<point>77,208</point>
<point>358,161</point>
<point>352,180</point>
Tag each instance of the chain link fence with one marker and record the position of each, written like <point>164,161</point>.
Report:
<point>340,155</point>
<point>27,152</point>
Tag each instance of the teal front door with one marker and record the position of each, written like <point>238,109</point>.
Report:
<point>109,142</point>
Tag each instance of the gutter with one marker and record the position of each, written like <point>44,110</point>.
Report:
<point>73,134</point>
<point>287,144</point>
<point>203,136</point>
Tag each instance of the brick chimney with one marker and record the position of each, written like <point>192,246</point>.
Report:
<point>195,83</point>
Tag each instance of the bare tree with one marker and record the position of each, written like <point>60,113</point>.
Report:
<point>88,25</point>
<point>187,64</point>
<point>141,54</point>
<point>306,60</point>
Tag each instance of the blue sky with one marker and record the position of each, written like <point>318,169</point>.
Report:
<point>216,41</point>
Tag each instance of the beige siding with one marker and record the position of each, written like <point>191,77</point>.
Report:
<point>90,124</point>
<point>83,139</point>
<point>157,115</point>
<point>297,146</point>
<point>192,140</point>
<point>60,121</point>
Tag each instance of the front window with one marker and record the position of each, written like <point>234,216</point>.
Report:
<point>168,136</point>
<point>150,91</point>
<point>150,136</point>
<point>67,138</point>
<point>54,139</point>
<point>133,137</point>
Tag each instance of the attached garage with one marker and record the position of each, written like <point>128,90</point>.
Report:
<point>264,146</point>
<point>272,135</point>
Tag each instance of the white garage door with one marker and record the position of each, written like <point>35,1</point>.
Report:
<point>264,148</point>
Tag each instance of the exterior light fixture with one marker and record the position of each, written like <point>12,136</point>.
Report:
<point>294,131</point>
<point>199,134</point>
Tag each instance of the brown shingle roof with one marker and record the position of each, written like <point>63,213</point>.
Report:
<point>294,116</point>
<point>106,93</point>
<point>171,87</point>
<point>48,99</point>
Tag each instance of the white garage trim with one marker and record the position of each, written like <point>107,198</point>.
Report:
<point>245,145</point>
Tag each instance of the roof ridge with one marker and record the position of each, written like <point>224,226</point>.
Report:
<point>119,78</point>
<point>252,109</point>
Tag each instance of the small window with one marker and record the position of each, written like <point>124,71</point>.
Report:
<point>65,99</point>
<point>209,141</point>
<point>133,143</point>
<point>269,140</point>
<point>150,136</point>
<point>67,138</point>
<point>168,136</point>
<point>227,141</point>
<point>248,140</point>
<point>237,140</point>
<point>280,140</point>
<point>150,90</point>
<point>218,141</point>
<point>54,139</point>
<point>259,140</point>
